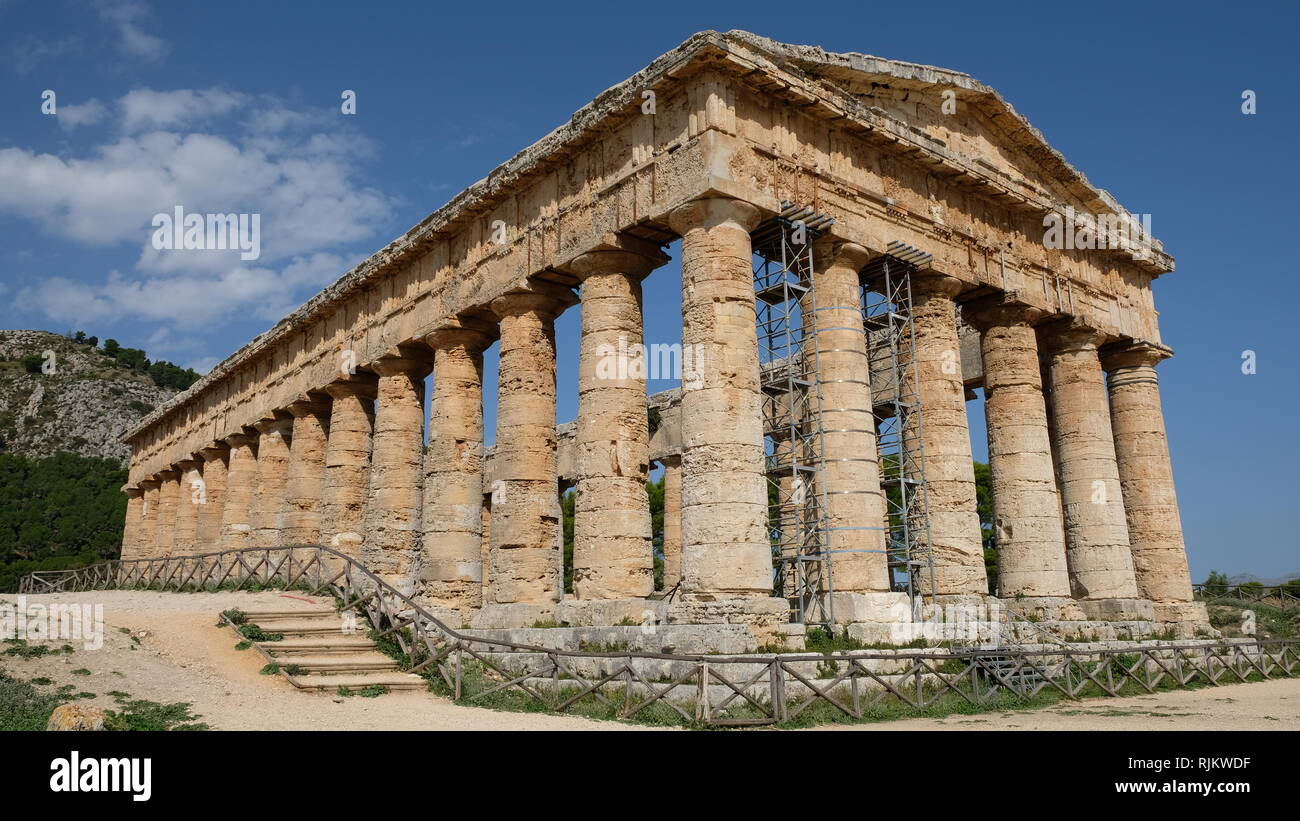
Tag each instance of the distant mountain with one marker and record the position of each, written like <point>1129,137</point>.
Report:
<point>1243,578</point>
<point>57,394</point>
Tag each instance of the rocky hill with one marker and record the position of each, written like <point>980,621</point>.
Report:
<point>82,402</point>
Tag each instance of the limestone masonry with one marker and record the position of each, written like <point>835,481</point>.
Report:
<point>313,432</point>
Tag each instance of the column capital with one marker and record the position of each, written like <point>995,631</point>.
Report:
<point>1133,353</point>
<point>242,439</point>
<point>929,282</point>
<point>1070,334</point>
<point>712,212</point>
<point>830,251</point>
<point>217,450</point>
<point>149,484</point>
<point>275,424</point>
<point>1003,308</point>
<point>414,366</point>
<point>616,261</point>
<point>359,384</point>
<point>548,302</point>
<point>133,492</point>
<point>471,334</point>
<point>307,407</point>
<point>186,465</point>
<point>168,474</point>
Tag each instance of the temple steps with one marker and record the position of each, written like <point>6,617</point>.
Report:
<point>325,657</point>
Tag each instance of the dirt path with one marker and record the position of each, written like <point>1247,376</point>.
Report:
<point>181,655</point>
<point>174,652</point>
<point>1264,705</point>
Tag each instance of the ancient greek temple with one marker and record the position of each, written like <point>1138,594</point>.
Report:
<point>864,247</point>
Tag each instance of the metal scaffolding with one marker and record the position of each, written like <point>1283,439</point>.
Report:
<point>792,409</point>
<point>891,348</point>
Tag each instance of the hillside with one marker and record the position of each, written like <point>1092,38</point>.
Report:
<point>83,406</point>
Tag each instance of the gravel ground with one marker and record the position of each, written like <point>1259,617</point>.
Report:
<point>183,656</point>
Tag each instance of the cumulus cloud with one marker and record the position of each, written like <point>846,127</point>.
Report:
<point>87,113</point>
<point>125,18</point>
<point>254,156</point>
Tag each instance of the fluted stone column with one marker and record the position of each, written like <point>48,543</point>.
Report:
<point>272,473</point>
<point>725,547</point>
<point>149,515</point>
<point>672,545</point>
<point>305,481</point>
<point>1147,480</point>
<point>241,486</point>
<point>1096,533</point>
<point>949,467</point>
<point>134,524</point>
<point>169,489</point>
<point>392,519</point>
<point>187,508</point>
<point>215,471</point>
<point>855,501</point>
<point>525,511</point>
<point>1026,507</point>
<point>452,547</point>
<point>613,555</point>
<point>347,462</point>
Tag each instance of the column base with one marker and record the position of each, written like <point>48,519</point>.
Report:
<point>610,612</point>
<point>1046,608</point>
<point>877,607</point>
<point>768,619</point>
<point>515,614</point>
<point>1189,614</point>
<point>1118,609</point>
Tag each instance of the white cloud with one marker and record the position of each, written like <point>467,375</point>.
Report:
<point>148,109</point>
<point>87,113</point>
<point>28,52</point>
<point>125,17</point>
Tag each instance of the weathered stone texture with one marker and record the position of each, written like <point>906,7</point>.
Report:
<point>452,563</point>
<point>168,492</point>
<point>612,555</point>
<point>215,478</point>
<point>725,548</point>
<point>305,481</point>
<point>1097,540</point>
<point>188,503</point>
<point>347,460</point>
<point>241,479</point>
<point>392,517</point>
<point>272,475</point>
<point>949,468</point>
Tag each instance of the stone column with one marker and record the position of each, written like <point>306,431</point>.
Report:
<point>133,527</point>
<point>215,471</point>
<point>149,517</point>
<point>272,471</point>
<point>855,501</point>
<point>187,508</point>
<point>452,548</point>
<point>725,548</point>
<point>1147,480</point>
<point>1096,534</point>
<point>305,482</point>
<point>949,467</point>
<point>241,485</point>
<point>347,464</point>
<point>392,518</point>
<point>672,546</point>
<point>169,489</point>
<point>1027,518</point>
<point>613,555</point>
<point>525,511</point>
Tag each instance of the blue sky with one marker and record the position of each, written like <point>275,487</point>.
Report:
<point>234,107</point>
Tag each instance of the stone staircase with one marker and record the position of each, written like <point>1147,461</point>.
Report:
<point>326,656</point>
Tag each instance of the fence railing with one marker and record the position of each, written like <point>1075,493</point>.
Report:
<point>1285,597</point>
<point>710,690</point>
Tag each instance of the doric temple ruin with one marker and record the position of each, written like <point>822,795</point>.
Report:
<point>864,245</point>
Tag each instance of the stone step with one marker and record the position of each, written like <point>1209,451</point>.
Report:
<point>262,617</point>
<point>319,627</point>
<point>357,681</point>
<point>318,645</point>
<point>371,662</point>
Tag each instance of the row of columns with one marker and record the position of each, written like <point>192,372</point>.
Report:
<point>1084,505</point>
